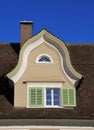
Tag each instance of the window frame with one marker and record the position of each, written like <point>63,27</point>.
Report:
<point>52,97</point>
<point>44,55</point>
<point>50,86</point>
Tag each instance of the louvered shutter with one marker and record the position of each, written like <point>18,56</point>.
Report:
<point>35,97</point>
<point>68,97</point>
<point>39,96</point>
<point>65,97</point>
<point>72,98</point>
<point>32,97</point>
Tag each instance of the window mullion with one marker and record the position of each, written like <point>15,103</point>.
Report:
<point>68,96</point>
<point>52,97</point>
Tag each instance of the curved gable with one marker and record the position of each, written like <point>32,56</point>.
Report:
<point>44,36</point>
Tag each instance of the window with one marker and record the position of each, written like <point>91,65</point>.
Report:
<point>44,58</point>
<point>52,97</point>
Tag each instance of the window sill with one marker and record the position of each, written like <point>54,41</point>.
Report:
<point>57,107</point>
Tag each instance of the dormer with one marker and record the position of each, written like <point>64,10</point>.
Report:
<point>44,75</point>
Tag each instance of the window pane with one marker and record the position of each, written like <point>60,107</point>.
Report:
<point>44,59</point>
<point>48,91</point>
<point>48,96</point>
<point>56,91</point>
<point>56,96</point>
<point>56,102</point>
<point>48,102</point>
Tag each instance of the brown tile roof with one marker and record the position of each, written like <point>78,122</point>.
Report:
<point>82,58</point>
<point>8,56</point>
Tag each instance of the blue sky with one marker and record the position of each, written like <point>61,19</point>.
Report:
<point>70,20</point>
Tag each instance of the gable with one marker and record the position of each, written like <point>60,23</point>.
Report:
<point>52,42</point>
<point>44,71</point>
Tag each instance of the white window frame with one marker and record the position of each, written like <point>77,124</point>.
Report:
<point>52,99</point>
<point>46,55</point>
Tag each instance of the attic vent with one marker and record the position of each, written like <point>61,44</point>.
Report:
<point>44,58</point>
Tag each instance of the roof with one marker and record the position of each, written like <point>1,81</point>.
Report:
<point>82,58</point>
<point>8,56</point>
<point>47,122</point>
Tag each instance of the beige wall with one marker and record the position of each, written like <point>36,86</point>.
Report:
<point>36,72</point>
<point>43,72</point>
<point>20,95</point>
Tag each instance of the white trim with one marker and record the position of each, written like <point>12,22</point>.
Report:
<point>46,127</point>
<point>26,52</point>
<point>49,85</point>
<point>44,97</point>
<point>27,98</point>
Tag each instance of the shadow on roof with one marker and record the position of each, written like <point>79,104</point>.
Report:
<point>7,88</point>
<point>16,47</point>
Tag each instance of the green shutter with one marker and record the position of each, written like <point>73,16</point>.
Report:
<point>39,96</point>
<point>65,97</point>
<point>32,96</point>
<point>72,99</point>
<point>68,97</point>
<point>36,97</point>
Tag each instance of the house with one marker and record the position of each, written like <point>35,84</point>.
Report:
<point>45,83</point>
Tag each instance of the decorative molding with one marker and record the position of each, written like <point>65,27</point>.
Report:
<point>53,42</point>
